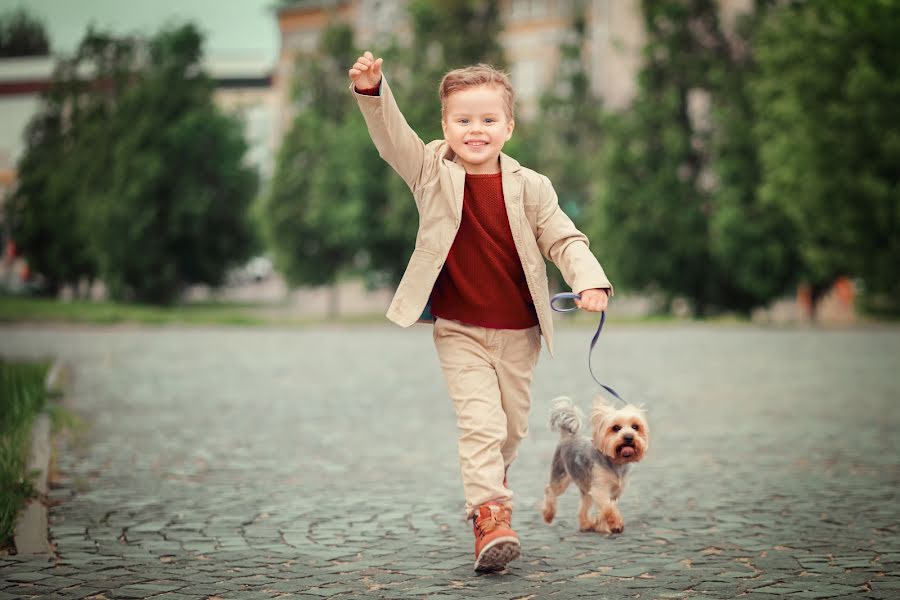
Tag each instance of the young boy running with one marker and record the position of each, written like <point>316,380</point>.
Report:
<point>485,225</point>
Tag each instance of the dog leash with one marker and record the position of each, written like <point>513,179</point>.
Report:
<point>574,296</point>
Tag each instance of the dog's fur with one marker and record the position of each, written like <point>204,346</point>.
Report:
<point>597,465</point>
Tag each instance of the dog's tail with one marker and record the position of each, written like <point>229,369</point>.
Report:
<point>565,416</point>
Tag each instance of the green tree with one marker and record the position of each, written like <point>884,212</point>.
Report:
<point>654,220</point>
<point>679,210</point>
<point>22,35</point>
<point>325,180</point>
<point>826,99</point>
<point>134,174</point>
<point>568,132</point>
<point>65,162</point>
<point>754,259</point>
<point>174,209</point>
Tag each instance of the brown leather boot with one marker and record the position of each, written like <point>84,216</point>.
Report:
<point>496,543</point>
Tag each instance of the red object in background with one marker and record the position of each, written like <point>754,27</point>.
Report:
<point>804,299</point>
<point>845,291</point>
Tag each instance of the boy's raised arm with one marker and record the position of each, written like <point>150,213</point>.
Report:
<point>397,143</point>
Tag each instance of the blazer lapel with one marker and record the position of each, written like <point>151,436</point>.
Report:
<point>458,179</point>
<point>513,184</point>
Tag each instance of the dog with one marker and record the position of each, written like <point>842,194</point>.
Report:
<point>598,465</point>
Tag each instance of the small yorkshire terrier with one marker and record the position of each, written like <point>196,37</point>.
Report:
<point>598,465</point>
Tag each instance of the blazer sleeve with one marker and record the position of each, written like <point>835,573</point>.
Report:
<point>395,140</point>
<point>569,249</point>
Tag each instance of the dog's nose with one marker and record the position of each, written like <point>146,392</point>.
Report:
<point>629,438</point>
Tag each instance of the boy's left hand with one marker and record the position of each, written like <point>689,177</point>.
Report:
<point>593,300</point>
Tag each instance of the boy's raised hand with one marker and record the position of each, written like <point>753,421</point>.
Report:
<point>366,72</point>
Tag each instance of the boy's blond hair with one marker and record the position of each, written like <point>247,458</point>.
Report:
<point>480,74</point>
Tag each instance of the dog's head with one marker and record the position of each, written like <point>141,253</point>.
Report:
<point>621,434</point>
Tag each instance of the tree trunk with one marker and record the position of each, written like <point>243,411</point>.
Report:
<point>817,292</point>
<point>333,297</point>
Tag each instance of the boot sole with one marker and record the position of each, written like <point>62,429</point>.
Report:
<point>496,555</point>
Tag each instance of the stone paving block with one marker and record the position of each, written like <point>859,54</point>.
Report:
<point>244,595</point>
<point>883,584</point>
<point>827,592</point>
<point>80,592</point>
<point>201,590</point>
<point>328,592</point>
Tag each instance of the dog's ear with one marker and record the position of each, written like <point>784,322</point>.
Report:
<point>599,414</point>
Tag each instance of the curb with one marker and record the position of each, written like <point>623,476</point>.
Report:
<point>31,535</point>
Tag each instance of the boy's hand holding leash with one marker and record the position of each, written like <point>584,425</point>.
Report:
<point>366,72</point>
<point>593,300</point>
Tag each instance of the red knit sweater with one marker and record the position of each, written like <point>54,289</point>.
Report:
<point>482,282</point>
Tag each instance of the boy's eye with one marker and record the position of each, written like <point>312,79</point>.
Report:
<point>464,121</point>
<point>489,120</point>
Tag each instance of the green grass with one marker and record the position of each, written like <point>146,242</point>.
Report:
<point>15,309</point>
<point>22,397</point>
<point>19,309</point>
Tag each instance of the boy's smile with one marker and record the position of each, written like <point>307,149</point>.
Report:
<point>476,126</point>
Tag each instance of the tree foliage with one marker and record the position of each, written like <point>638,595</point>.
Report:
<point>65,161</point>
<point>680,205</point>
<point>751,244</point>
<point>655,205</point>
<point>826,98</point>
<point>21,34</point>
<point>315,213</point>
<point>133,174</point>
<point>568,132</point>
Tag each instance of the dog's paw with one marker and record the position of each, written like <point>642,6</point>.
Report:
<point>614,522</point>
<point>549,513</point>
<point>587,524</point>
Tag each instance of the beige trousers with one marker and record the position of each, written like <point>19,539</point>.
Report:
<point>488,374</point>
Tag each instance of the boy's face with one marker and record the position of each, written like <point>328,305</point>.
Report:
<point>476,127</point>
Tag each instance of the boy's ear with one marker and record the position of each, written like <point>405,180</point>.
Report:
<point>509,129</point>
<point>444,127</point>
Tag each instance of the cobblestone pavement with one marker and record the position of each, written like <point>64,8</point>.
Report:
<point>261,463</point>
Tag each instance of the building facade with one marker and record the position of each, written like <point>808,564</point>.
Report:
<point>533,32</point>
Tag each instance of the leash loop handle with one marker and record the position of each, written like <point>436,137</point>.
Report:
<point>564,296</point>
<point>573,296</point>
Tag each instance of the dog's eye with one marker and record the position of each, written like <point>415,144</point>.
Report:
<point>636,427</point>
<point>616,428</point>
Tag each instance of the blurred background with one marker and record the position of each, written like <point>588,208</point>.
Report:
<point>735,158</point>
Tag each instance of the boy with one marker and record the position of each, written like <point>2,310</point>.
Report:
<point>485,224</point>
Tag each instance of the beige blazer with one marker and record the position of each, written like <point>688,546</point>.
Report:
<point>540,229</point>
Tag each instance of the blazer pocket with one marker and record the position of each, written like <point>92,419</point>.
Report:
<point>423,267</point>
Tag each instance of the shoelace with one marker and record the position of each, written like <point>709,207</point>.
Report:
<point>500,516</point>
